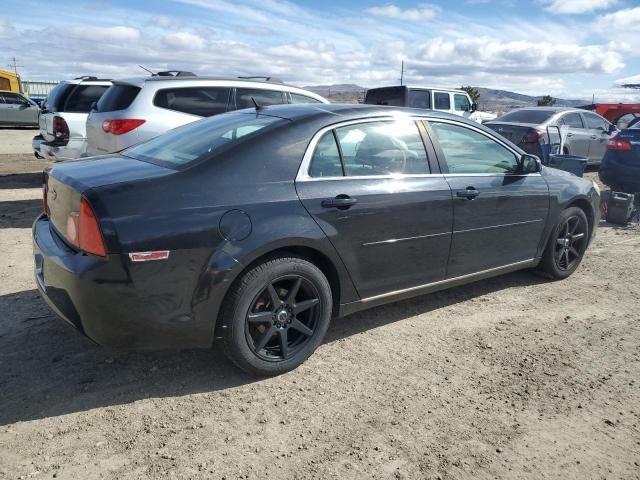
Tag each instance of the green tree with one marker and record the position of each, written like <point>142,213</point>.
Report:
<point>546,101</point>
<point>473,93</point>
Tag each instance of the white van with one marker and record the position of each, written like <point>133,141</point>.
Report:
<point>449,100</point>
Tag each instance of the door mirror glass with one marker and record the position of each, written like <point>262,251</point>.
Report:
<point>612,128</point>
<point>529,163</point>
<point>474,107</point>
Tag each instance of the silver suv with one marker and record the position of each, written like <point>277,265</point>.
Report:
<point>137,109</point>
<point>63,118</point>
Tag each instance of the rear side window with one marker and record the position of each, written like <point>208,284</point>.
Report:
<point>117,97</point>
<point>297,98</point>
<point>200,140</point>
<point>262,97</point>
<point>393,96</point>
<point>572,120</point>
<point>82,97</point>
<point>442,101</point>
<point>461,103</point>
<point>326,158</point>
<point>201,101</point>
<point>419,99</point>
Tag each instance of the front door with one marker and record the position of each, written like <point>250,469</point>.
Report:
<point>598,129</point>
<point>369,187</point>
<point>498,214</point>
<point>578,137</point>
<point>19,110</point>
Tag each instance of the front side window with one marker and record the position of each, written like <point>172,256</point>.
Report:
<point>461,102</point>
<point>202,140</point>
<point>262,97</point>
<point>572,120</point>
<point>201,101</point>
<point>297,98</point>
<point>468,151</point>
<point>14,99</point>
<point>594,122</point>
<point>419,99</point>
<point>441,101</point>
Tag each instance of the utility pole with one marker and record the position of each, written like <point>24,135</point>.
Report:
<point>14,64</point>
<point>402,72</point>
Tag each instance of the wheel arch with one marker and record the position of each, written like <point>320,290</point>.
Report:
<point>584,205</point>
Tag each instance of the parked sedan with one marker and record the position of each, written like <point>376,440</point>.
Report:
<point>18,110</point>
<point>588,132</point>
<point>620,168</point>
<point>257,227</point>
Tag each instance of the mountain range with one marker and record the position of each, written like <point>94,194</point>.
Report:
<point>491,100</point>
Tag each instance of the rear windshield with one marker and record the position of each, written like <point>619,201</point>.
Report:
<point>203,139</point>
<point>117,97</point>
<point>526,116</point>
<point>57,96</point>
<point>386,96</point>
<point>82,97</point>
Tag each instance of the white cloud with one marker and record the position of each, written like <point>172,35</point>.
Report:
<point>115,34</point>
<point>6,29</point>
<point>184,40</point>
<point>421,13</point>
<point>561,7</point>
<point>624,21</point>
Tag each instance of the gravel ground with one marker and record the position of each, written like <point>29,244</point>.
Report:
<point>514,377</point>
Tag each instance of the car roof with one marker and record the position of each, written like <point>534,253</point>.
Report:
<point>423,87</point>
<point>547,109</point>
<point>139,81</point>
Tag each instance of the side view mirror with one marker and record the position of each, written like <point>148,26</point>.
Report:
<point>529,164</point>
<point>474,107</point>
<point>612,128</point>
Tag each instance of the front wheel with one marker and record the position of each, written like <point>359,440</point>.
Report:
<point>567,244</point>
<point>276,316</point>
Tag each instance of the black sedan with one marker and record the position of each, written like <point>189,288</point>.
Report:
<point>620,168</point>
<point>257,227</point>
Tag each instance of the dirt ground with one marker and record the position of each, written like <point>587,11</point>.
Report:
<point>514,377</point>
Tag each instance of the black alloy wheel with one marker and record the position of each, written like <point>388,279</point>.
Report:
<point>571,242</point>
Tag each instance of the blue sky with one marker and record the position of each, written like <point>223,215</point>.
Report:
<point>567,48</point>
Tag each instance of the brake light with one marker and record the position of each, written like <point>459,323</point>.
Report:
<point>45,192</point>
<point>83,230</point>
<point>119,126</point>
<point>60,129</point>
<point>533,135</point>
<point>616,143</point>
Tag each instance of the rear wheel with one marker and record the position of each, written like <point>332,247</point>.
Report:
<point>276,316</point>
<point>567,244</point>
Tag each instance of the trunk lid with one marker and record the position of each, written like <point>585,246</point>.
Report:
<point>512,132</point>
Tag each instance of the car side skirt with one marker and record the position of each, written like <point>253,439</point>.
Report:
<point>370,302</point>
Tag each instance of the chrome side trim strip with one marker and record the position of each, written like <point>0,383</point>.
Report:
<point>498,226</point>
<point>446,281</point>
<point>406,239</point>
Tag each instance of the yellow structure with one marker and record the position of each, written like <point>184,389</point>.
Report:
<point>10,81</point>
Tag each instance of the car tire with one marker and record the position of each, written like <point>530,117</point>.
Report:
<point>275,316</point>
<point>566,245</point>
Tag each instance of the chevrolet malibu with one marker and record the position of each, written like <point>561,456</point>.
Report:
<point>256,228</point>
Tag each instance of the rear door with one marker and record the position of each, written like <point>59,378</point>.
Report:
<point>598,129</point>
<point>370,188</point>
<point>498,214</point>
<point>442,101</point>
<point>578,139</point>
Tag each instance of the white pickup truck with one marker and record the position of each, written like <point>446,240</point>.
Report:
<point>449,100</point>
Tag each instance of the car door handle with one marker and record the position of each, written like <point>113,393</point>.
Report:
<point>594,136</point>
<point>341,202</point>
<point>569,134</point>
<point>469,193</point>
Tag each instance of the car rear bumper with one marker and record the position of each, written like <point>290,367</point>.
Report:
<point>114,305</point>
<point>75,148</point>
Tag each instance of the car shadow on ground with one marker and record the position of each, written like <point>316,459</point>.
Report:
<point>21,180</point>
<point>48,369</point>
<point>19,213</point>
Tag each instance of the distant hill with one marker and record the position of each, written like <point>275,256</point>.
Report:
<point>490,99</point>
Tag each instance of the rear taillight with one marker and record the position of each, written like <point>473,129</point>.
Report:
<point>616,143</point>
<point>83,230</point>
<point>118,126</point>
<point>60,129</point>
<point>533,135</point>
<point>45,192</point>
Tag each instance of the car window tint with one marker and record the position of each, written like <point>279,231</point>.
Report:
<point>201,140</point>
<point>382,148</point>
<point>326,158</point>
<point>117,97</point>
<point>461,103</point>
<point>527,116</point>
<point>419,99</point>
<point>441,101</point>
<point>595,122</point>
<point>572,120</point>
<point>393,96</point>
<point>57,96</point>
<point>83,97</point>
<point>626,120</point>
<point>297,98</point>
<point>200,101</point>
<point>13,99</point>
<point>468,151</point>
<point>262,97</point>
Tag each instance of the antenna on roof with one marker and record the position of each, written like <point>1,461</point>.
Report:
<point>258,107</point>
<point>146,69</point>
